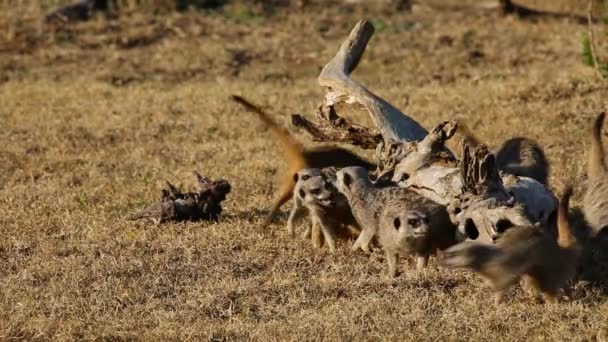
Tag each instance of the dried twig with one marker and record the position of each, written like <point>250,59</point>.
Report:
<point>204,203</point>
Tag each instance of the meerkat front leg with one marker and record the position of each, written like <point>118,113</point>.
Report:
<point>391,258</point>
<point>328,234</point>
<point>421,262</point>
<point>317,237</point>
<point>364,240</point>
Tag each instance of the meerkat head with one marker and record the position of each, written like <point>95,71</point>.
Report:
<point>312,188</point>
<point>351,178</point>
<point>413,225</point>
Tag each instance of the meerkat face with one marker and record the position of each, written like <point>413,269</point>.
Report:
<point>412,226</point>
<point>314,187</point>
<point>317,190</point>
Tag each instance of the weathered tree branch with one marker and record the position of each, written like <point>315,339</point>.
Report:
<point>392,123</point>
<point>331,127</point>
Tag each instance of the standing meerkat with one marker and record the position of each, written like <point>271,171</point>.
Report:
<point>528,252</point>
<point>300,158</point>
<point>369,202</point>
<point>595,201</point>
<point>421,228</point>
<point>329,210</point>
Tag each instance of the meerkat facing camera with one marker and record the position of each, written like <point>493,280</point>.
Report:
<point>329,210</point>
<point>375,207</point>
<point>420,228</point>
<point>300,158</point>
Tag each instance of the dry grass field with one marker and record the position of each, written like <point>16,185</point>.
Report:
<point>95,116</point>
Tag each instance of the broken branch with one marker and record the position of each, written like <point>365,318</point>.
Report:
<point>331,127</point>
<point>392,123</point>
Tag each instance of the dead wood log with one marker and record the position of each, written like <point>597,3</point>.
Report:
<point>335,76</point>
<point>204,203</point>
<point>331,127</point>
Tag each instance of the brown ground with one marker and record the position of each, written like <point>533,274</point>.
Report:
<point>95,117</point>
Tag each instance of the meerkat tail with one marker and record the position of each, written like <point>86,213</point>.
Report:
<point>466,134</point>
<point>597,163</point>
<point>295,151</point>
<point>469,254</point>
<point>565,238</point>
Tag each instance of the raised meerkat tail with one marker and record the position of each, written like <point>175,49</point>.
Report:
<point>295,151</point>
<point>565,238</point>
<point>597,163</point>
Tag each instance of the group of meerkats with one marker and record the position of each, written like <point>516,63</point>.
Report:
<point>334,186</point>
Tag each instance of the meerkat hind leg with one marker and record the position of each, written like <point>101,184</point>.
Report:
<point>283,195</point>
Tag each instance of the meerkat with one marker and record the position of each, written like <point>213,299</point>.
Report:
<point>523,157</point>
<point>517,156</point>
<point>420,227</point>
<point>524,252</point>
<point>595,201</point>
<point>300,158</point>
<point>368,201</point>
<point>328,208</point>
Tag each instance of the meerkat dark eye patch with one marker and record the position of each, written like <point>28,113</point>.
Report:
<point>347,180</point>
<point>315,191</point>
<point>397,223</point>
<point>302,193</point>
<point>404,177</point>
<point>305,177</point>
<point>457,210</point>
<point>502,225</point>
<point>471,229</point>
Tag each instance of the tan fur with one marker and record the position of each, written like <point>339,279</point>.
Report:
<point>419,228</point>
<point>466,135</point>
<point>524,252</point>
<point>595,201</point>
<point>597,162</point>
<point>523,157</point>
<point>518,156</point>
<point>298,157</point>
<point>376,208</point>
<point>328,208</point>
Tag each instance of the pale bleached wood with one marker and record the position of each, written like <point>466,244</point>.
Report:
<point>392,123</point>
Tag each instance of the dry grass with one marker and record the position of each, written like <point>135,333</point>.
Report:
<point>95,116</point>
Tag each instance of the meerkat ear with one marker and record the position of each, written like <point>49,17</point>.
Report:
<point>347,180</point>
<point>295,177</point>
<point>397,223</point>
